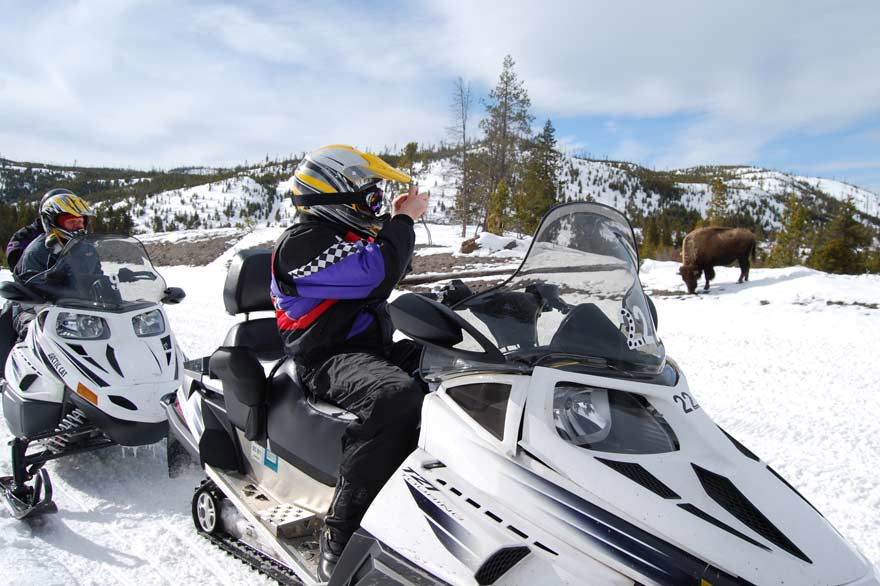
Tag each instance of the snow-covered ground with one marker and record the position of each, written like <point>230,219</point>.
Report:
<point>786,363</point>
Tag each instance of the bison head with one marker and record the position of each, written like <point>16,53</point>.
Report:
<point>690,275</point>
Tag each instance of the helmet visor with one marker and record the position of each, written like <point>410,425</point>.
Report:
<point>374,200</point>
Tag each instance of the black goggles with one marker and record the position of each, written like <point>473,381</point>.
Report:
<point>370,198</point>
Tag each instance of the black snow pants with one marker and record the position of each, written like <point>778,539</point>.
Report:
<point>387,401</point>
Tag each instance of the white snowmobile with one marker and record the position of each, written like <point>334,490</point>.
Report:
<point>93,365</point>
<point>558,444</point>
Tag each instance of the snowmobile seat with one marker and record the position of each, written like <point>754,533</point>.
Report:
<point>305,432</point>
<point>244,388</point>
<point>261,335</point>
<point>247,290</point>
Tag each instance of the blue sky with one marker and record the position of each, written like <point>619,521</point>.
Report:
<point>791,85</point>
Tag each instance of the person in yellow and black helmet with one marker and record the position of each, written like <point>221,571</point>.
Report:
<point>64,215</point>
<point>332,273</point>
<point>343,185</point>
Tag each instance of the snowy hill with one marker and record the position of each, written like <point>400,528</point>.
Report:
<point>785,363</point>
<point>256,196</point>
<point>238,202</point>
<point>760,191</point>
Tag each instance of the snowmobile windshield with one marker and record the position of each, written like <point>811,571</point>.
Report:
<point>103,271</point>
<point>576,299</point>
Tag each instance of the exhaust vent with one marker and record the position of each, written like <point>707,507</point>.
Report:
<point>723,492</point>
<point>26,381</point>
<point>111,358</point>
<point>720,524</point>
<point>499,563</point>
<point>123,402</point>
<point>640,475</point>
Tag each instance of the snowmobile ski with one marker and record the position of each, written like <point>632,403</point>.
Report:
<point>29,501</point>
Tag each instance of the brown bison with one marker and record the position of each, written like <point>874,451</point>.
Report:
<point>705,248</point>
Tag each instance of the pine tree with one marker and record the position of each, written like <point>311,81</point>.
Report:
<point>539,189</point>
<point>507,123</point>
<point>716,212</point>
<point>498,202</point>
<point>409,158</point>
<point>841,246</point>
<point>872,264</point>
<point>650,237</point>
<point>792,237</point>
<point>477,169</point>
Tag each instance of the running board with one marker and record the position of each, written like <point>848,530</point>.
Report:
<point>273,521</point>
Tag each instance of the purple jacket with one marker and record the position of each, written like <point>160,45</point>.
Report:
<point>20,241</point>
<point>329,287</point>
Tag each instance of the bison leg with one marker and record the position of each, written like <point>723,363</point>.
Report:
<point>743,270</point>
<point>709,273</point>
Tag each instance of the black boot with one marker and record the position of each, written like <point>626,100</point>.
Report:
<point>331,548</point>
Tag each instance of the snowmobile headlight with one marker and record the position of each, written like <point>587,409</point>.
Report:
<point>581,414</point>
<point>150,323</point>
<point>610,421</point>
<point>79,326</point>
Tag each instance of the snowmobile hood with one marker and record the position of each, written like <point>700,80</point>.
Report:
<point>663,487</point>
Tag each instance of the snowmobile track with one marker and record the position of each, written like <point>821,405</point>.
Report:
<point>254,558</point>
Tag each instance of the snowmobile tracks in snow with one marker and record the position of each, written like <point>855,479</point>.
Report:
<point>255,558</point>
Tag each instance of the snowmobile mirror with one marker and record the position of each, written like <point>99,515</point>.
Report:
<point>432,323</point>
<point>173,295</point>
<point>17,292</point>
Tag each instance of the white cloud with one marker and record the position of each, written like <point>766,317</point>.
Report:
<point>168,83</point>
<point>751,71</point>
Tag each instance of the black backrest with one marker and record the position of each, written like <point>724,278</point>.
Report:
<point>247,282</point>
<point>244,388</point>
<point>261,335</point>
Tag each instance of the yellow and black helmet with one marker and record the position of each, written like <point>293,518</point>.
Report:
<point>341,184</point>
<point>63,202</point>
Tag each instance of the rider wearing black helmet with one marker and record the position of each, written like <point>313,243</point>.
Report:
<point>63,215</point>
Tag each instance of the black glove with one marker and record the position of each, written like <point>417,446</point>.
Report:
<point>548,297</point>
<point>454,292</point>
<point>126,275</point>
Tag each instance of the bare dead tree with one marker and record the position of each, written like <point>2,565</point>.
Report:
<point>460,108</point>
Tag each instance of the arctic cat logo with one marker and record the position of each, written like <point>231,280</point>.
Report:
<point>56,364</point>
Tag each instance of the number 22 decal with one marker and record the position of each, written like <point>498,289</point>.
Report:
<point>687,402</point>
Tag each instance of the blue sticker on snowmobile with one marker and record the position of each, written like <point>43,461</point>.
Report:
<point>270,460</point>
